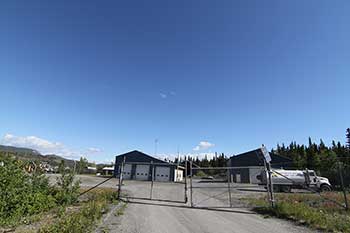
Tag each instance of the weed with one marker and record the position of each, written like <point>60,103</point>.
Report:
<point>307,209</point>
<point>120,210</point>
<point>83,218</point>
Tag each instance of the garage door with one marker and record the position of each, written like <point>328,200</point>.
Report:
<point>142,172</point>
<point>162,174</point>
<point>127,172</point>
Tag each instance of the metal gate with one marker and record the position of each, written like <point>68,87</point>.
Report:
<point>221,187</point>
<point>152,181</point>
<point>207,187</point>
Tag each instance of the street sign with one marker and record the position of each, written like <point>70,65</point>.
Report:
<point>266,154</point>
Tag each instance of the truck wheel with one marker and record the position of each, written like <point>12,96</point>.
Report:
<point>325,188</point>
<point>286,189</point>
<point>276,188</point>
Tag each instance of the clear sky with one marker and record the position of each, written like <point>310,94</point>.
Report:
<point>103,77</point>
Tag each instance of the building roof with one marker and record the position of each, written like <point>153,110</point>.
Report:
<point>137,156</point>
<point>108,169</point>
<point>256,158</point>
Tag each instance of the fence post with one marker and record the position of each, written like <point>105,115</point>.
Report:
<point>229,187</point>
<point>186,198</point>
<point>271,186</point>
<point>151,194</point>
<point>191,191</point>
<point>269,183</point>
<point>121,170</point>
<point>342,185</point>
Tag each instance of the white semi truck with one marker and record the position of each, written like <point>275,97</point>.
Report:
<point>285,180</point>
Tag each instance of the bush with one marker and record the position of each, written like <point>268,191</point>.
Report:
<point>67,190</point>
<point>22,194</point>
<point>200,174</point>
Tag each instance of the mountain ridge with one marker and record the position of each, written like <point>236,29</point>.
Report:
<point>23,153</point>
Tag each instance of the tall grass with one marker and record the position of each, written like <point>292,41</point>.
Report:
<point>308,209</point>
<point>85,216</point>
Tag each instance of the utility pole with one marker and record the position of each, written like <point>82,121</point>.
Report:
<point>155,147</point>
<point>121,171</point>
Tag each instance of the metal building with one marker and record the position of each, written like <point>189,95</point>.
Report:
<point>250,164</point>
<point>140,166</point>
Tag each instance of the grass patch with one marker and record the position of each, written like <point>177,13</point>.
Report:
<point>307,209</point>
<point>83,217</point>
<point>120,211</point>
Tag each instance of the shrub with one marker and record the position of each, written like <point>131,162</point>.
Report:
<point>22,194</point>
<point>67,190</point>
<point>200,174</point>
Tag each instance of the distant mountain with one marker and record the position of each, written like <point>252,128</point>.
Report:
<point>18,150</point>
<point>33,155</point>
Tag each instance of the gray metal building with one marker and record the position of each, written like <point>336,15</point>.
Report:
<point>139,166</point>
<point>250,164</point>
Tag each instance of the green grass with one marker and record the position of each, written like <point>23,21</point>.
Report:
<point>308,209</point>
<point>83,217</point>
<point>120,211</point>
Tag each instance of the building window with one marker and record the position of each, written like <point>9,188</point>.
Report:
<point>138,173</point>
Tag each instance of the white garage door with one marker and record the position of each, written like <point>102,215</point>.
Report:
<point>162,174</point>
<point>127,172</point>
<point>142,172</point>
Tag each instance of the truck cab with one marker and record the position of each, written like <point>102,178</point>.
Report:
<point>317,182</point>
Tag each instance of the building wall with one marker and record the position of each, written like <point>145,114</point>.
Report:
<point>134,176</point>
<point>243,173</point>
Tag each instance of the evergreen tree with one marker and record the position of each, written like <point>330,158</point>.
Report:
<point>348,139</point>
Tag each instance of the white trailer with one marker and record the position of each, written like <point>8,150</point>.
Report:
<point>285,180</point>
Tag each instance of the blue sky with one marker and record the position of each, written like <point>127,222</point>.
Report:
<point>102,78</point>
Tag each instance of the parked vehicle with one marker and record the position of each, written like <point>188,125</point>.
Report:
<point>285,180</point>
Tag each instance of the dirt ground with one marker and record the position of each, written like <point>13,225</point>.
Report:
<point>210,215</point>
<point>88,181</point>
<point>172,216</point>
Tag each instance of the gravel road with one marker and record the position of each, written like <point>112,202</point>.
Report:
<point>142,216</point>
<point>88,181</point>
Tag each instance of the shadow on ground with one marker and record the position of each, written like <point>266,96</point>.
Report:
<point>217,209</point>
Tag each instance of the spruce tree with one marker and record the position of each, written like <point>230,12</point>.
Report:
<point>348,139</point>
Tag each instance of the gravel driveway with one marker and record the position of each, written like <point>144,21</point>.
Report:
<point>142,216</point>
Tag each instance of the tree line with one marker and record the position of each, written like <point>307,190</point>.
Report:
<point>327,161</point>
